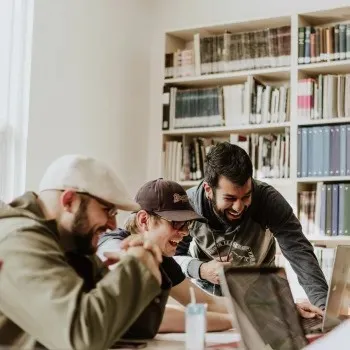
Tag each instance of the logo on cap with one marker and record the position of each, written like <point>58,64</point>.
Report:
<point>179,198</point>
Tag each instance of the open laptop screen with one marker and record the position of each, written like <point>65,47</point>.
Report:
<point>338,301</point>
<point>264,308</point>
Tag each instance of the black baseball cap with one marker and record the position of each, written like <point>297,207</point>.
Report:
<point>167,199</point>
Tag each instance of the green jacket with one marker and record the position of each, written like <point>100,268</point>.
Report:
<point>43,299</point>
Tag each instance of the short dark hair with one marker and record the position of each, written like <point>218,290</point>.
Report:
<point>231,161</point>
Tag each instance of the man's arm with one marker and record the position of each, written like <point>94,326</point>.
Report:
<point>39,289</point>
<point>190,266</point>
<point>181,293</point>
<point>295,247</point>
<point>174,320</point>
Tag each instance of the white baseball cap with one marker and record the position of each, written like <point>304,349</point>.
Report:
<point>87,175</point>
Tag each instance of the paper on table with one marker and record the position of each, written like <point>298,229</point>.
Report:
<point>210,337</point>
<point>338,339</point>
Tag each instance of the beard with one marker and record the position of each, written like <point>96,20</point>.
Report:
<point>221,213</point>
<point>81,234</point>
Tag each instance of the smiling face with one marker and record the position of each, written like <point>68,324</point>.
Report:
<point>161,231</point>
<point>84,219</point>
<point>229,200</point>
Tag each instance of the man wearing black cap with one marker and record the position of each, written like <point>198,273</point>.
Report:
<point>164,218</point>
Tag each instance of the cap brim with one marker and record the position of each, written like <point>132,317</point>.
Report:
<point>181,215</point>
<point>128,206</point>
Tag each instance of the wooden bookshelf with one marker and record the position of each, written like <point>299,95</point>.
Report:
<point>336,67</point>
<point>186,34</point>
<point>323,179</point>
<point>334,239</point>
<point>324,121</point>
<point>273,127</point>
<point>289,74</point>
<point>271,74</point>
<point>187,184</point>
<point>273,182</point>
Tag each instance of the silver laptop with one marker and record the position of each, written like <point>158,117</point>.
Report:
<point>338,298</point>
<point>262,304</point>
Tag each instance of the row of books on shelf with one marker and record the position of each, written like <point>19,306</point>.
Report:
<point>326,97</point>
<point>323,151</point>
<point>325,257</point>
<point>183,162</point>
<point>269,154</point>
<point>231,105</point>
<point>227,52</point>
<point>328,43</point>
<point>325,211</point>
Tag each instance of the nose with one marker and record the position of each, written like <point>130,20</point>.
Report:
<point>183,232</point>
<point>238,206</point>
<point>112,223</point>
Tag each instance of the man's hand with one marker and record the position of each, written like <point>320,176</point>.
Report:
<point>210,270</point>
<point>307,310</point>
<point>145,256</point>
<point>138,240</point>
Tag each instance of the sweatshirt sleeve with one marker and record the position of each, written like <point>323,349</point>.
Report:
<point>190,266</point>
<point>295,247</point>
<point>44,296</point>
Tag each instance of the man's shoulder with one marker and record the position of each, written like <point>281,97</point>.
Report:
<point>173,270</point>
<point>191,192</point>
<point>269,206</point>
<point>119,234</point>
<point>194,195</point>
<point>265,194</point>
<point>21,226</point>
<point>263,187</point>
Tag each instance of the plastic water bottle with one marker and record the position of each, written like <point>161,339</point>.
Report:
<point>196,324</point>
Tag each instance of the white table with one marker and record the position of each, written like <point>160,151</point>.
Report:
<point>172,341</point>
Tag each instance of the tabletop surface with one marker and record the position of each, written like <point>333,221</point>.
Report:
<point>172,341</point>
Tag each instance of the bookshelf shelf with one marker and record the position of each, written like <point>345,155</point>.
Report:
<point>186,34</point>
<point>323,179</point>
<point>268,74</point>
<point>324,121</point>
<point>187,184</point>
<point>341,66</point>
<point>324,17</point>
<point>279,182</point>
<point>223,130</point>
<point>341,239</point>
<point>274,182</point>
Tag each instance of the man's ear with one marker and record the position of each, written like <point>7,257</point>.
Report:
<point>142,220</point>
<point>208,190</point>
<point>68,199</point>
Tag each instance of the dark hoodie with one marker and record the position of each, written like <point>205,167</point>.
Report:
<point>250,241</point>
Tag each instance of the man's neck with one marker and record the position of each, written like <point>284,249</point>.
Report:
<point>50,213</point>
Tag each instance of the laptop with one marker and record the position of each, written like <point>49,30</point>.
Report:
<point>338,298</point>
<point>262,304</point>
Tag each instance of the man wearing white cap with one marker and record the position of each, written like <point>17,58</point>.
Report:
<point>47,244</point>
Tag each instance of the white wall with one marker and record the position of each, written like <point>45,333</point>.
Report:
<point>90,85</point>
<point>183,13</point>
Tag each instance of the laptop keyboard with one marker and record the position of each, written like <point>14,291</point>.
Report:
<point>311,323</point>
